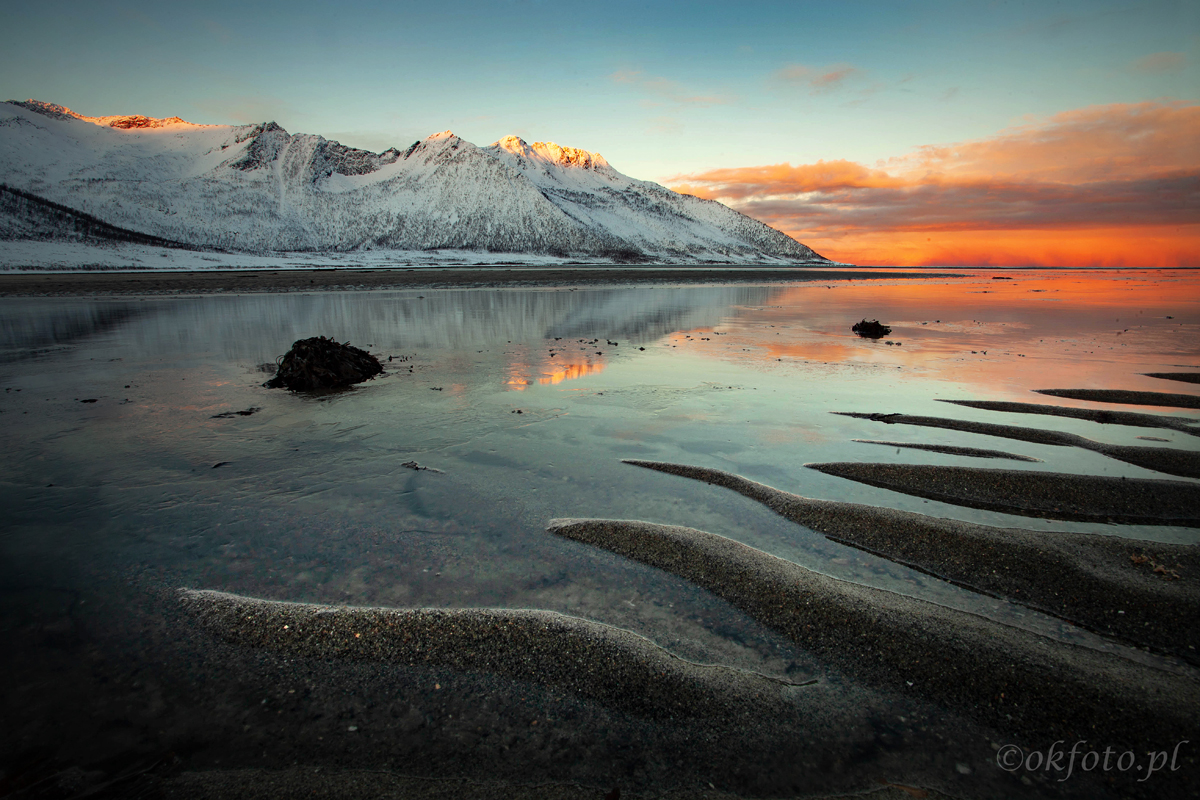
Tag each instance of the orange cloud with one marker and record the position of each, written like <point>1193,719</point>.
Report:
<point>1078,189</point>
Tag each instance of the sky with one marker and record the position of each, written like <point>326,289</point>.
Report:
<point>910,133</point>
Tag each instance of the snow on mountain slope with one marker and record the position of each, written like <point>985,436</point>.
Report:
<point>257,189</point>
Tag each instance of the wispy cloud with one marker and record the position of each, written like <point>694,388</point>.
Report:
<point>1103,167</point>
<point>819,80</point>
<point>668,126</point>
<point>1160,62</point>
<point>664,91</point>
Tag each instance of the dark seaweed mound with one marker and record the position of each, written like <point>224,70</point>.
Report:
<point>871,330</point>
<point>321,363</point>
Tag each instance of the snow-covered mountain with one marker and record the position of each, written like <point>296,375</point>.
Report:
<point>257,188</point>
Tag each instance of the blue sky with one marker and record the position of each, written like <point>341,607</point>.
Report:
<point>658,88</point>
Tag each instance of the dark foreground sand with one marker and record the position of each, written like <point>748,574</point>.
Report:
<point>1106,584</point>
<point>613,666</point>
<point>1006,677</point>
<point>236,281</point>
<point>260,784</point>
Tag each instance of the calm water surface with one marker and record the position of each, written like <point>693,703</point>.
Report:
<point>120,483</point>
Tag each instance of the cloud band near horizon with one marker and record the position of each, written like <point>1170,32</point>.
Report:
<point>1113,185</point>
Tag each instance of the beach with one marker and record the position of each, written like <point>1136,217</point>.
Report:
<point>341,279</point>
<point>669,532</point>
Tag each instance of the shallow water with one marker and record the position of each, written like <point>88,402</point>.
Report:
<point>526,401</point>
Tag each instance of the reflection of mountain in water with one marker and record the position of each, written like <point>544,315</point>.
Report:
<point>257,328</point>
<point>28,328</point>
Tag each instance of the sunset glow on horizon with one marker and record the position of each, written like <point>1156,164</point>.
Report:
<point>1113,186</point>
<point>925,133</point>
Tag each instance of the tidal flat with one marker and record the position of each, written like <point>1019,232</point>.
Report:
<point>209,588</point>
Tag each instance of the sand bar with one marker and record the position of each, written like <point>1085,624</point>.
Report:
<point>1126,397</point>
<point>1048,495</point>
<point>612,666</point>
<point>1185,377</point>
<point>1097,582</point>
<point>1105,417</point>
<point>948,449</point>
<point>286,280</point>
<point>1006,677</point>
<point>1169,460</point>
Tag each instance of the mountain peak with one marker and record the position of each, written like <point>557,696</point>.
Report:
<point>554,153</point>
<point>569,156</point>
<point>124,122</point>
<point>513,144</point>
<point>259,189</point>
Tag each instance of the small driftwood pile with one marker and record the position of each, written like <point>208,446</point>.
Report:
<point>871,330</point>
<point>321,363</point>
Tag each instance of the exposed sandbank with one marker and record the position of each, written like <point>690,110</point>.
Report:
<point>973,452</point>
<point>1048,495</point>
<point>1168,460</point>
<point>1131,418</point>
<point>1087,579</point>
<point>1126,397</point>
<point>606,664</point>
<point>1006,677</point>
<point>1185,377</point>
<point>290,280</point>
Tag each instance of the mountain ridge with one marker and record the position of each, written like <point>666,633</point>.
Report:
<point>259,189</point>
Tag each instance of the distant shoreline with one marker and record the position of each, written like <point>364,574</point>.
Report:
<point>145,282</point>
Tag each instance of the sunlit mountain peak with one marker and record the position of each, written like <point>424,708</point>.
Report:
<point>257,188</point>
<point>121,121</point>
<point>554,153</point>
<point>515,145</point>
<point>569,156</point>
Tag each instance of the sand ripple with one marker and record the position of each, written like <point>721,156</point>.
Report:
<point>1007,677</point>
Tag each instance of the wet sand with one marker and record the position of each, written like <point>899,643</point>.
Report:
<point>291,280</point>
<point>259,784</point>
<point>1131,418</point>
<point>1002,676</point>
<point>1126,397</point>
<point>1097,582</point>
<point>612,666</point>
<point>1048,495</point>
<point>1168,460</point>
<point>1184,377</point>
<point>970,452</point>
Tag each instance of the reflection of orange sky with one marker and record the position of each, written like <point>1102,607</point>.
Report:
<point>520,374</point>
<point>1004,338</point>
<point>1129,289</point>
<point>570,372</point>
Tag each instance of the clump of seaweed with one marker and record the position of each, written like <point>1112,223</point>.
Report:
<point>323,363</point>
<point>871,330</point>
